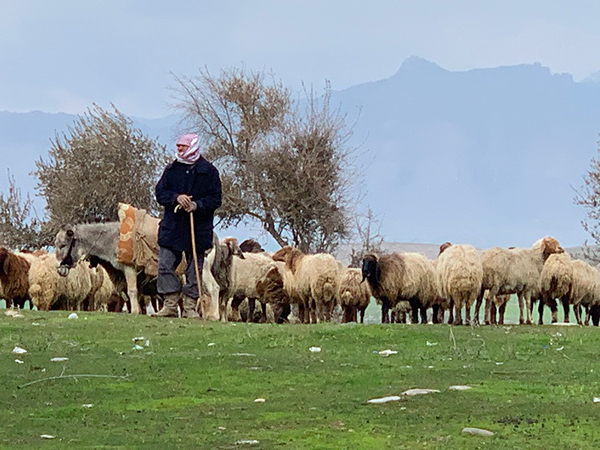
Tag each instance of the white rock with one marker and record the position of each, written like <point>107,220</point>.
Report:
<point>596,400</point>
<point>19,351</point>
<point>315,349</point>
<point>87,405</point>
<point>412,392</point>
<point>391,398</point>
<point>59,359</point>
<point>73,316</point>
<point>479,431</point>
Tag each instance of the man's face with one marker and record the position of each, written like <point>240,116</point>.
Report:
<point>181,148</point>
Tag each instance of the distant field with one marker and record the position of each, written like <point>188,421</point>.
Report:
<point>132,382</point>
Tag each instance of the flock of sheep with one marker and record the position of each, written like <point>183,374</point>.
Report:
<point>292,286</point>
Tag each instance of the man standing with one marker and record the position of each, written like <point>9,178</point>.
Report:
<point>189,185</point>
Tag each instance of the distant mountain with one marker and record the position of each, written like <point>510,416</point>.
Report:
<point>485,156</point>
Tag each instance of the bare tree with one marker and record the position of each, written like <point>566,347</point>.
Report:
<point>101,161</point>
<point>589,197</point>
<point>19,226</point>
<point>284,163</point>
<point>368,231</point>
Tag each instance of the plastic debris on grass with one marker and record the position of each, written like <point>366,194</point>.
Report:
<point>315,349</point>
<point>387,352</point>
<point>247,442</point>
<point>19,351</point>
<point>459,388</point>
<point>59,359</point>
<point>18,361</point>
<point>391,398</point>
<point>87,405</point>
<point>210,344</point>
<point>478,431</point>
<point>73,316</point>
<point>260,400</point>
<point>47,436</point>
<point>243,354</point>
<point>413,392</point>
<point>596,399</point>
<point>431,344</point>
<point>13,313</point>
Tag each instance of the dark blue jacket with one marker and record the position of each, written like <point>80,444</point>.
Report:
<point>201,181</point>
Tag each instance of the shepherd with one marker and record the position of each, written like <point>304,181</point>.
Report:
<point>190,185</point>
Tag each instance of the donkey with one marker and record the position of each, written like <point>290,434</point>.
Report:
<point>98,242</point>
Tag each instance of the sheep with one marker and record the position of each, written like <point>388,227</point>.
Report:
<point>514,271</point>
<point>14,281</point>
<point>585,290</point>
<point>401,276</point>
<point>311,280</point>
<point>48,290</point>
<point>353,295</point>
<point>556,281</point>
<point>459,275</point>
<point>271,289</point>
<point>251,246</point>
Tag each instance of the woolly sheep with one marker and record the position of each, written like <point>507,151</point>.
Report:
<point>556,281</point>
<point>459,275</point>
<point>14,279</point>
<point>585,290</point>
<point>352,295</point>
<point>401,276</point>
<point>311,280</point>
<point>514,271</point>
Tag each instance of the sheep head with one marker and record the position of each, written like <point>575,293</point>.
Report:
<point>550,246</point>
<point>231,248</point>
<point>444,246</point>
<point>290,256</point>
<point>251,246</point>
<point>371,270</point>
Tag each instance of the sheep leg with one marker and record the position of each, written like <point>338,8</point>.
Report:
<point>595,314</point>
<point>423,311</point>
<point>313,310</point>
<point>527,299</point>
<point>436,313</point>
<point>457,315</point>
<point>263,313</point>
<point>468,314</point>
<point>385,310</point>
<point>236,301</point>
<point>565,304</point>
<point>493,314</point>
<point>362,315</point>
<point>501,311</point>
<point>488,305</point>
<point>414,305</point>
<point>577,311</point>
<point>451,312</point>
<point>477,307</point>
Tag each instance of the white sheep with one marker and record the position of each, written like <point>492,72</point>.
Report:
<point>556,281</point>
<point>585,290</point>
<point>353,295</point>
<point>401,276</point>
<point>459,275</point>
<point>514,271</point>
<point>311,280</point>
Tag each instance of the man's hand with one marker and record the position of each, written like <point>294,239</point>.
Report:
<point>186,202</point>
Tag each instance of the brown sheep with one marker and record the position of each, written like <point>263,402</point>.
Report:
<point>14,281</point>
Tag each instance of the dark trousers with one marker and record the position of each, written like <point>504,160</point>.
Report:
<point>168,281</point>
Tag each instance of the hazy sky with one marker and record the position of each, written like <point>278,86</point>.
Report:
<point>63,55</point>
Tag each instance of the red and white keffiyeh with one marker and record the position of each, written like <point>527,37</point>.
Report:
<point>191,154</point>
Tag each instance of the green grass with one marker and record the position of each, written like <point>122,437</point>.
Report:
<point>532,386</point>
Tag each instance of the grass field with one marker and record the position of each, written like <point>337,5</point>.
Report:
<point>186,384</point>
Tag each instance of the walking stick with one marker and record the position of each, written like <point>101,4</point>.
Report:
<point>195,256</point>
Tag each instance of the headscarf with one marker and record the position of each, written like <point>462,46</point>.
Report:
<point>192,153</point>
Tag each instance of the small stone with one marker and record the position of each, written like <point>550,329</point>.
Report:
<point>478,431</point>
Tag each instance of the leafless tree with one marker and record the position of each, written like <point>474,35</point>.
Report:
<point>285,163</point>
<point>20,228</point>
<point>101,161</point>
<point>368,233</point>
<point>589,197</point>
